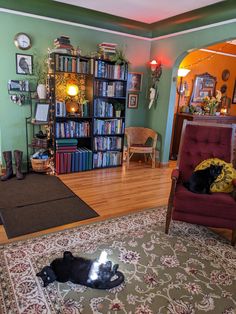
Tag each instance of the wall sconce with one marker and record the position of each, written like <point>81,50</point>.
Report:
<point>182,87</point>
<point>156,71</point>
<point>72,106</point>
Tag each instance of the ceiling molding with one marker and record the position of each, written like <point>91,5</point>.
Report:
<point>219,53</point>
<point>202,18</point>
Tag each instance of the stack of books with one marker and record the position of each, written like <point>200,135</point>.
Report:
<point>62,45</point>
<point>107,50</point>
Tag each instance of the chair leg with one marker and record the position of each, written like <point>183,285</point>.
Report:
<point>153,160</point>
<point>127,159</point>
<point>233,239</point>
<point>168,218</point>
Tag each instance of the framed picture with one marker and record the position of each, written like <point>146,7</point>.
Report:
<point>135,81</point>
<point>234,94</point>
<point>133,101</point>
<point>24,64</point>
<point>41,112</point>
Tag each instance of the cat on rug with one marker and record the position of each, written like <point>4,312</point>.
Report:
<point>82,271</point>
<point>201,180</point>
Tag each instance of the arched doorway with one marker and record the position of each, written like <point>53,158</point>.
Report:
<point>219,60</point>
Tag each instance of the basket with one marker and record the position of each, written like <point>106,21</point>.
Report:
<point>40,165</point>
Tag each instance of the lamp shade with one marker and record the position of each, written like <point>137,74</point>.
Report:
<point>72,90</point>
<point>183,72</point>
<point>153,64</point>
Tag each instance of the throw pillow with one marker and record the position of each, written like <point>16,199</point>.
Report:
<point>223,183</point>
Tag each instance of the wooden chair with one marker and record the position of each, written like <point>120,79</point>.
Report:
<point>138,142</point>
<point>199,142</point>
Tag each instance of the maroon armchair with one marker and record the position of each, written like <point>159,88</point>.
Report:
<point>200,141</point>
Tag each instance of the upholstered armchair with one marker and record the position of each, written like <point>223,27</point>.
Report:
<point>138,142</point>
<point>199,142</point>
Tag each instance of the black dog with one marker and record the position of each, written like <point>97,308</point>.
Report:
<point>78,270</point>
<point>201,180</point>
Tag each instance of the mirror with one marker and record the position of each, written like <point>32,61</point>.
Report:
<point>204,85</point>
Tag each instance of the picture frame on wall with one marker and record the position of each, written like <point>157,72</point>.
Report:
<point>133,101</point>
<point>24,64</point>
<point>234,94</point>
<point>135,81</point>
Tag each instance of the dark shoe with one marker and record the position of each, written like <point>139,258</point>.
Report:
<point>9,171</point>
<point>18,161</point>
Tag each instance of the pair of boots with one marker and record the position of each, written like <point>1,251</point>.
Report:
<point>9,170</point>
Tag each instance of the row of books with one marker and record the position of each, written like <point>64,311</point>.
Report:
<point>107,127</point>
<point>103,108</point>
<point>80,160</point>
<point>111,71</point>
<point>73,64</point>
<point>60,109</point>
<point>107,143</point>
<point>106,159</point>
<point>109,89</point>
<point>72,129</point>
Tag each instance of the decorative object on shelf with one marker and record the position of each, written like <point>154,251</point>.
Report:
<point>135,81</point>
<point>40,73</point>
<point>119,107</point>
<point>72,91</point>
<point>156,71</point>
<point>225,75</point>
<point>24,64</point>
<point>210,104</point>
<point>41,112</point>
<point>133,101</point>
<point>119,57</point>
<point>22,41</point>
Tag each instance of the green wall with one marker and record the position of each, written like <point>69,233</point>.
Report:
<point>171,51</point>
<point>42,32</point>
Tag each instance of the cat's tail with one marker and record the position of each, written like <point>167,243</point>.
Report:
<point>117,281</point>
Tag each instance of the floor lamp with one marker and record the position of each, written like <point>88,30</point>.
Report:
<point>181,73</point>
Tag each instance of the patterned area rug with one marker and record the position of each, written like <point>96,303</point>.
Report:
<point>190,271</point>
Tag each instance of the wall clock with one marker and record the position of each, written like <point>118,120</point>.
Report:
<point>225,75</point>
<point>22,41</point>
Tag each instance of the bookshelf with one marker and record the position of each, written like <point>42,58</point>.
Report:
<point>86,131</point>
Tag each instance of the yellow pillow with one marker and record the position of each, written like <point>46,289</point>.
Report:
<point>223,182</point>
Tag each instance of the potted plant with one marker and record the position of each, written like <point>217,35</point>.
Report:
<point>119,57</point>
<point>40,73</point>
<point>118,106</point>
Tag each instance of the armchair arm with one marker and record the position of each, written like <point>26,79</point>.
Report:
<point>174,177</point>
<point>127,138</point>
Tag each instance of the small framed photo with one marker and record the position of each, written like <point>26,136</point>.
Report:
<point>24,64</point>
<point>135,81</point>
<point>133,101</point>
<point>234,94</point>
<point>41,112</point>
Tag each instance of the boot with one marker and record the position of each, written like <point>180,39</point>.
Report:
<point>18,161</point>
<point>9,171</point>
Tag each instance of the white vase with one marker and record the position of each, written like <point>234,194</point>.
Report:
<point>42,91</point>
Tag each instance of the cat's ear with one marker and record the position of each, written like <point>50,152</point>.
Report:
<point>68,255</point>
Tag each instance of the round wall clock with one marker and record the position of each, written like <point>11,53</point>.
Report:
<point>22,41</point>
<point>225,75</point>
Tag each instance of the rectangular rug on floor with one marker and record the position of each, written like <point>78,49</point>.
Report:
<point>37,203</point>
<point>190,271</point>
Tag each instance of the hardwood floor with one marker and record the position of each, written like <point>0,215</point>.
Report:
<point>114,192</point>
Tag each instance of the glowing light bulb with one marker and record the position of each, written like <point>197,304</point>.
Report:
<point>72,90</point>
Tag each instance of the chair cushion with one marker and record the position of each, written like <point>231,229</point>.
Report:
<point>223,183</point>
<point>216,205</point>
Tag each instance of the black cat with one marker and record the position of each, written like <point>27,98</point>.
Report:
<point>201,180</point>
<point>78,271</point>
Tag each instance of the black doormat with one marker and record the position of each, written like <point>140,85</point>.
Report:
<point>37,203</point>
